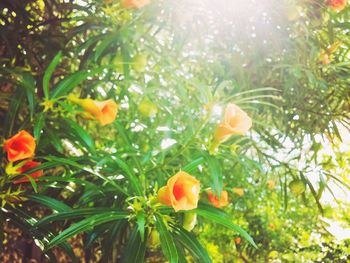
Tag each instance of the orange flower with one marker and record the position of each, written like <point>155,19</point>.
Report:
<point>236,121</point>
<point>271,184</point>
<point>215,200</point>
<point>134,3</point>
<point>324,58</point>
<point>237,240</point>
<point>336,5</point>
<point>181,192</point>
<point>20,146</point>
<point>238,191</point>
<point>103,111</point>
<point>28,166</point>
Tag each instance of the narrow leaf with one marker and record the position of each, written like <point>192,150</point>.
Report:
<point>70,82</point>
<point>190,242</point>
<point>87,224</point>
<point>135,249</point>
<point>193,165</point>
<point>38,126</point>
<point>224,222</point>
<point>50,202</point>
<point>167,244</point>
<point>48,73</point>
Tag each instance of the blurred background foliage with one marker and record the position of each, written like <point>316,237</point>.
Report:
<point>172,66</point>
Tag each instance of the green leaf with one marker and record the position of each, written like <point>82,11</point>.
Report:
<point>135,249</point>
<point>66,179</point>
<point>25,80</point>
<point>24,222</point>
<point>38,126</point>
<point>212,209</point>
<point>313,191</point>
<point>108,40</point>
<point>48,73</point>
<point>215,174</point>
<point>12,112</point>
<point>72,214</point>
<point>190,242</point>
<point>217,218</point>
<point>32,182</point>
<point>87,224</point>
<point>122,132</point>
<point>167,244</point>
<point>28,82</point>
<point>130,175</point>
<point>126,59</point>
<point>108,243</point>
<point>70,82</point>
<point>53,160</point>
<point>193,165</point>
<point>81,135</point>
<point>49,202</point>
<point>141,220</point>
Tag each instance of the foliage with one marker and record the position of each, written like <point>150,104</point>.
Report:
<point>172,67</point>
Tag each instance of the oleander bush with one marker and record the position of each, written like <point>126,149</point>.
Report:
<point>178,131</point>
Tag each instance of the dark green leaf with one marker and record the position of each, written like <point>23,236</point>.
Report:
<point>38,126</point>
<point>87,224</point>
<point>70,82</point>
<point>48,73</point>
<point>167,244</point>
<point>135,249</point>
<point>72,214</point>
<point>81,135</point>
<point>130,175</point>
<point>13,109</point>
<point>108,40</point>
<point>49,202</point>
<point>190,242</point>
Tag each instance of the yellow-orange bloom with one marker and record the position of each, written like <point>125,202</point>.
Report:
<point>27,166</point>
<point>271,184</point>
<point>324,58</point>
<point>238,191</point>
<point>104,112</point>
<point>236,121</point>
<point>336,5</point>
<point>20,146</point>
<point>237,240</point>
<point>181,192</point>
<point>223,201</point>
<point>134,3</point>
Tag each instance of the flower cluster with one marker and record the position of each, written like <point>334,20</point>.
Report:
<point>21,147</point>
<point>182,190</point>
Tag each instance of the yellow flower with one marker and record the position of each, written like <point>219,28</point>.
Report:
<point>271,184</point>
<point>134,3</point>
<point>104,112</point>
<point>238,191</point>
<point>235,121</point>
<point>181,192</point>
<point>223,201</point>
